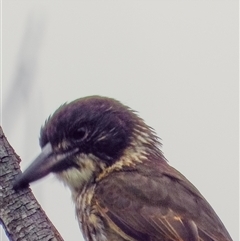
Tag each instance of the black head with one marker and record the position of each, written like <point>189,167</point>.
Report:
<point>86,136</point>
<point>97,125</point>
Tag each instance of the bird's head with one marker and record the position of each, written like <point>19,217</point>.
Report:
<point>86,139</point>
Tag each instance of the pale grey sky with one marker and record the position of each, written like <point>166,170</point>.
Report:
<point>175,62</point>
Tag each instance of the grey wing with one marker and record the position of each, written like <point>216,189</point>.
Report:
<point>157,208</point>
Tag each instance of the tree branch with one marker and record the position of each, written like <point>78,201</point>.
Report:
<point>20,214</point>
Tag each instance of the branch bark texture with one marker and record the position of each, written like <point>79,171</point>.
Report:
<point>20,214</point>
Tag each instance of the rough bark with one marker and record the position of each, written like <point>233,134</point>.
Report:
<point>20,214</point>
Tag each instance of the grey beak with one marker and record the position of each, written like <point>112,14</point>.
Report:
<point>41,166</point>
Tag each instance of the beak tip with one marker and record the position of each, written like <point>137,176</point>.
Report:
<point>37,170</point>
<point>19,183</point>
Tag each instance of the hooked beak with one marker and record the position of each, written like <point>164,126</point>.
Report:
<point>45,163</point>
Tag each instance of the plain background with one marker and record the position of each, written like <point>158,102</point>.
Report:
<point>175,62</point>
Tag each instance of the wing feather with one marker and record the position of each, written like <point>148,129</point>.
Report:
<point>158,205</point>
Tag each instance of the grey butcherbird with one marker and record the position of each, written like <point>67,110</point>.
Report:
<point>122,186</point>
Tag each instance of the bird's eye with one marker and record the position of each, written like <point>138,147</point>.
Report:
<point>79,134</point>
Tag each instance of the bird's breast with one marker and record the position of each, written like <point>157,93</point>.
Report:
<point>89,219</point>
<point>95,226</point>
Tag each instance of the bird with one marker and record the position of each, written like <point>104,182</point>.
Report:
<point>122,185</point>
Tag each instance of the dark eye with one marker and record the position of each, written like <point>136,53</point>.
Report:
<point>79,134</point>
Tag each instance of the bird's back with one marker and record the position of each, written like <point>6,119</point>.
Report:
<point>149,203</point>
